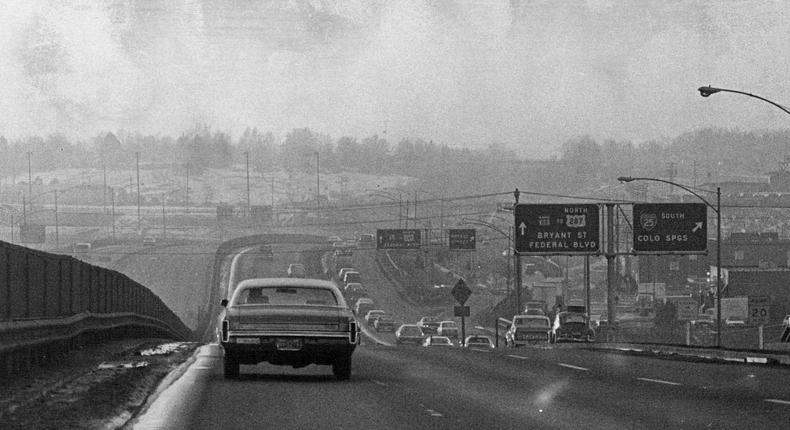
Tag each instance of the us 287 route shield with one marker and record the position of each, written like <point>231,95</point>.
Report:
<point>566,229</point>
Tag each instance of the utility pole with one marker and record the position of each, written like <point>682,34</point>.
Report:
<point>29,180</point>
<point>587,285</point>
<point>112,199</point>
<point>247,156</point>
<point>137,155</point>
<point>164,226</point>
<point>186,191</point>
<point>610,269</point>
<point>415,208</point>
<point>104,189</point>
<point>317,186</point>
<point>516,194</point>
<point>57,225</point>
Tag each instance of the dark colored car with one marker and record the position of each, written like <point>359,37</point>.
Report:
<point>526,329</point>
<point>384,323</point>
<point>571,326</point>
<point>409,333</point>
<point>286,321</point>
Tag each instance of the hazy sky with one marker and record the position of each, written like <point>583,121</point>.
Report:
<point>528,73</point>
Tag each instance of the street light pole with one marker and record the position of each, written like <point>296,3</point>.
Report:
<point>247,157</point>
<point>717,209</point>
<point>29,181</point>
<point>137,156</point>
<point>57,225</point>
<point>707,91</point>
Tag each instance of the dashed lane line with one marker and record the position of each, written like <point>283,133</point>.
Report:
<point>479,350</point>
<point>781,402</point>
<point>379,383</point>
<point>659,381</point>
<point>570,366</point>
<point>517,356</point>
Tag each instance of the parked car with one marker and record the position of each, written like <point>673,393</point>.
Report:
<point>370,317</point>
<point>526,329</point>
<point>363,306</point>
<point>296,270</point>
<point>428,324</point>
<point>571,326</point>
<point>449,329</point>
<point>256,325</point>
<point>409,333</point>
<point>384,322</point>
<point>478,341</point>
<point>434,340</point>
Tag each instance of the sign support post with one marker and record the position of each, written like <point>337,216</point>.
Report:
<point>610,271</point>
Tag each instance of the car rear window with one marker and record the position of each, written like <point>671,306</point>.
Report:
<point>532,322</point>
<point>411,331</point>
<point>574,319</point>
<point>287,296</point>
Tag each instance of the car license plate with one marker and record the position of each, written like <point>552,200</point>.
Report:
<point>289,344</point>
<point>249,340</point>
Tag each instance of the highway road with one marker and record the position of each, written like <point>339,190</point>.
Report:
<point>411,387</point>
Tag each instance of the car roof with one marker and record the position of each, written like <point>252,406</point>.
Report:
<point>531,317</point>
<point>287,282</point>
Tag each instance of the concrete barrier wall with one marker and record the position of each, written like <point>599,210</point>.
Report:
<point>36,285</point>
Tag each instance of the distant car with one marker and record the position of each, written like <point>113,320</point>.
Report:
<point>363,305</point>
<point>149,241</point>
<point>296,270</point>
<point>333,239</point>
<point>409,333</point>
<point>449,329</point>
<point>571,326</point>
<point>428,324</point>
<point>434,340</point>
<point>526,329</point>
<point>478,341</point>
<point>285,321</point>
<point>384,323</point>
<point>372,315</point>
<point>343,270</point>
<point>352,276</point>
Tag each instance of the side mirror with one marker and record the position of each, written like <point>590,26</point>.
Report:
<point>224,303</point>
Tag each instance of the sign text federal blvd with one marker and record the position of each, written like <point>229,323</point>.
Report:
<point>557,229</point>
<point>670,227</point>
<point>461,238</point>
<point>399,238</point>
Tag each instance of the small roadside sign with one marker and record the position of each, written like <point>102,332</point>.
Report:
<point>461,292</point>
<point>687,307</point>
<point>759,310</point>
<point>461,311</point>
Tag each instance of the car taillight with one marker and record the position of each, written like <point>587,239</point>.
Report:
<point>353,335</point>
<point>225,326</point>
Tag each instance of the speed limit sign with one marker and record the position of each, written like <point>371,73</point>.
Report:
<point>758,310</point>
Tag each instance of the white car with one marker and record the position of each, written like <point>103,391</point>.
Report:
<point>434,340</point>
<point>478,341</point>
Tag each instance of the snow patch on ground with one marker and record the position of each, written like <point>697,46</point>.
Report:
<point>166,348</point>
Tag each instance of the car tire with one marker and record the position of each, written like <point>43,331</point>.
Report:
<point>341,367</point>
<point>231,367</point>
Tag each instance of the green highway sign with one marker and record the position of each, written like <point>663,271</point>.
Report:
<point>546,229</point>
<point>670,227</point>
<point>400,238</point>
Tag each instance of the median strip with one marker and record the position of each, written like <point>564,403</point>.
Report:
<point>570,366</point>
<point>658,381</point>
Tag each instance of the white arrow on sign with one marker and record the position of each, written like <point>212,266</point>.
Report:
<point>522,227</point>
<point>697,226</point>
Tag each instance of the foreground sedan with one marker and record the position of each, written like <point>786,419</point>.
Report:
<point>287,321</point>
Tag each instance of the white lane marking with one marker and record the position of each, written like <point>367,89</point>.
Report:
<point>570,366</point>
<point>759,360</point>
<point>379,383</point>
<point>781,402</point>
<point>658,381</point>
<point>479,350</point>
<point>517,356</point>
<point>433,413</point>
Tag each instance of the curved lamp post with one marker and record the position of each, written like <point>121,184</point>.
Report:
<point>707,91</point>
<point>716,209</point>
